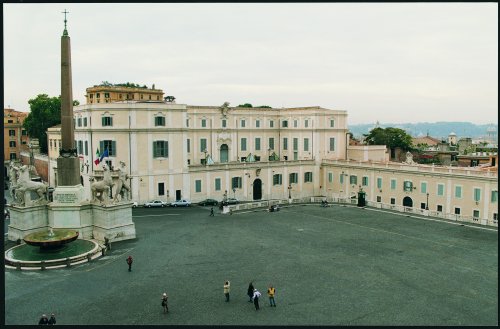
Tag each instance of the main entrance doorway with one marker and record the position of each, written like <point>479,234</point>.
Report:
<point>224,153</point>
<point>407,202</point>
<point>257,189</point>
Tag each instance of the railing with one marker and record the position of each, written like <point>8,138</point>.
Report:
<point>432,213</point>
<point>466,171</point>
<point>354,201</point>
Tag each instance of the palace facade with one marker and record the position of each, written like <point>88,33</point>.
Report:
<point>175,151</point>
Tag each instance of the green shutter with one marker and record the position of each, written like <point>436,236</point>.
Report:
<point>113,150</point>
<point>440,189</point>
<point>477,194</point>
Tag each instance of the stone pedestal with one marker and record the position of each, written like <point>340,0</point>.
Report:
<point>70,211</point>
<point>77,217</point>
<point>113,222</point>
<point>68,195</point>
<point>26,220</point>
<point>68,170</point>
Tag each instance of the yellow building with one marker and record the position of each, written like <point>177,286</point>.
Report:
<point>109,93</point>
<point>15,136</point>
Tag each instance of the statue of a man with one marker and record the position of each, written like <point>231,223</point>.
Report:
<point>122,186</point>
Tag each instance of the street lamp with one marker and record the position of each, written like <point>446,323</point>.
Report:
<point>427,203</point>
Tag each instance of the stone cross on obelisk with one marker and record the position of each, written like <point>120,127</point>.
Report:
<point>68,163</point>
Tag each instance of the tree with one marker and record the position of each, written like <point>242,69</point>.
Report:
<point>391,137</point>
<point>245,105</point>
<point>45,112</point>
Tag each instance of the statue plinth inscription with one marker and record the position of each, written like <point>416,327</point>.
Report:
<point>68,195</point>
<point>66,198</point>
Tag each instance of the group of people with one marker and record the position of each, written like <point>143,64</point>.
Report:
<point>254,295</point>
<point>44,320</point>
<point>324,203</point>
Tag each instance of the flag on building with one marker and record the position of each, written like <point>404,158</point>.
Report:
<point>96,161</point>
<point>105,154</point>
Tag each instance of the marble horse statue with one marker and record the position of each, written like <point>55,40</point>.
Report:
<point>25,184</point>
<point>100,189</point>
<point>122,186</point>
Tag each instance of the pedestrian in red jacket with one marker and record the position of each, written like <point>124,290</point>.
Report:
<point>129,262</point>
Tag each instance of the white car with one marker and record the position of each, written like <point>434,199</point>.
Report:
<point>155,203</point>
<point>180,203</point>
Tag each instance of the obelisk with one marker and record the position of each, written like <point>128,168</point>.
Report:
<point>68,162</point>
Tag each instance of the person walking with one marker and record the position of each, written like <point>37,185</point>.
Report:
<point>256,295</point>
<point>250,292</point>
<point>164,302</point>
<point>43,320</point>
<point>212,211</point>
<point>270,292</point>
<point>129,262</point>
<point>226,290</point>
<point>52,319</point>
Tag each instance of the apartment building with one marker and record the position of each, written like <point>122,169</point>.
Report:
<point>110,93</point>
<point>14,135</point>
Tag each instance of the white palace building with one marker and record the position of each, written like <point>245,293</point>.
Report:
<point>175,151</point>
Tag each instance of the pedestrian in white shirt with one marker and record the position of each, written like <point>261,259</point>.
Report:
<point>256,295</point>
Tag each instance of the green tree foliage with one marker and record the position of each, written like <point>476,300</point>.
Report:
<point>45,112</point>
<point>391,137</point>
<point>265,107</point>
<point>245,105</point>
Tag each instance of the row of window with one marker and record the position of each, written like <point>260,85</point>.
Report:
<point>120,96</point>
<point>81,122</point>
<point>12,132</point>
<point>236,182</point>
<point>408,186</point>
<point>257,144</point>
<point>439,208</point>
<point>243,123</point>
<point>160,148</point>
<point>160,121</point>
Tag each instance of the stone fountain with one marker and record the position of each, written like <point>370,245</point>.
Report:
<point>50,240</point>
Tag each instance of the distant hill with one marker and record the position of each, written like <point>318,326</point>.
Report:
<point>434,129</point>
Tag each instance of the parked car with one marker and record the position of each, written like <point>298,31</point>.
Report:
<point>232,201</point>
<point>208,202</point>
<point>135,204</point>
<point>155,203</point>
<point>180,203</point>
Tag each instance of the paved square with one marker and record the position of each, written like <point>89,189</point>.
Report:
<point>330,266</point>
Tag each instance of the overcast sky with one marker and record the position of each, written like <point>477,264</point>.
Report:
<point>407,62</point>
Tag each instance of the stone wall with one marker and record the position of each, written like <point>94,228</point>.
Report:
<point>41,164</point>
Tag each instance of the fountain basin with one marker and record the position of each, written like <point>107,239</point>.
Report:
<point>51,239</point>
